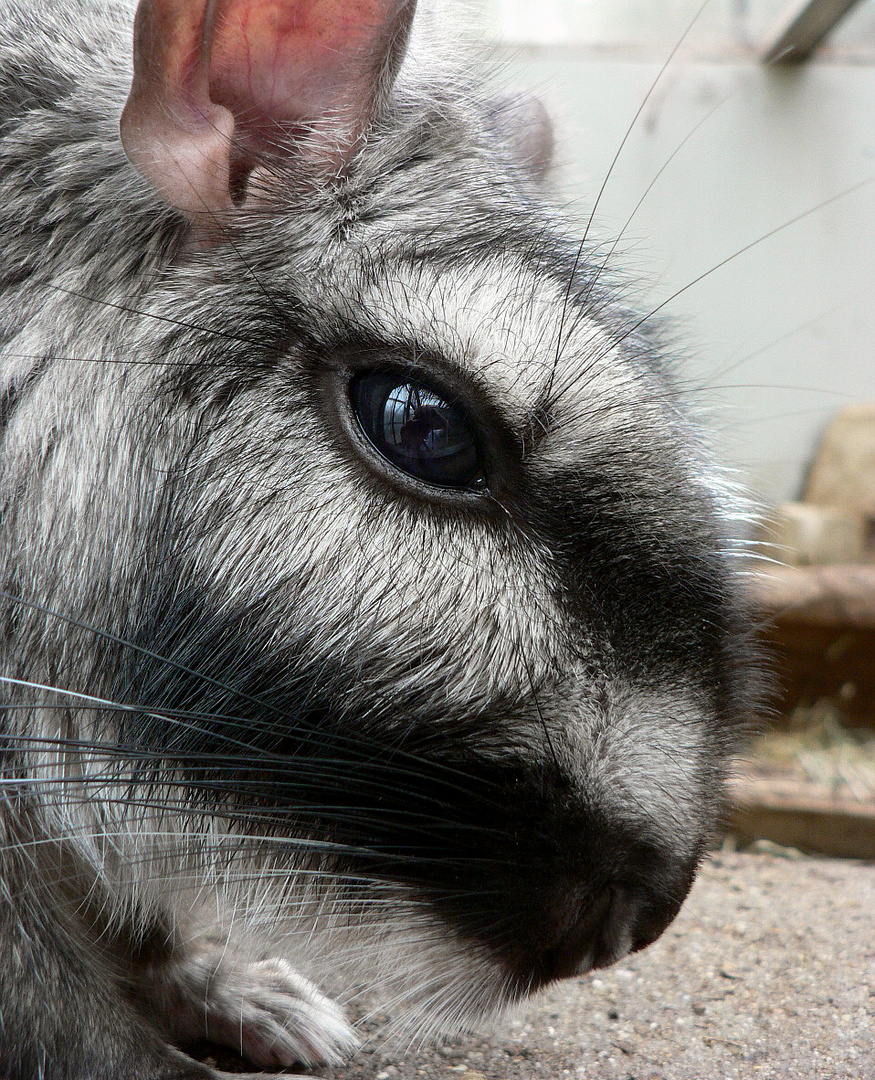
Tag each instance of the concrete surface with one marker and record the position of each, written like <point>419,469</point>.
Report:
<point>768,973</point>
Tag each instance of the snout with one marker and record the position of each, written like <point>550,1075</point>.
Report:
<point>586,927</point>
<point>549,865</point>
<point>552,880</point>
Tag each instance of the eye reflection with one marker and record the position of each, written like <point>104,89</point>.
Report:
<point>413,419</point>
<point>416,429</point>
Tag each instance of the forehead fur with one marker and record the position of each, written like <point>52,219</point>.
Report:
<point>512,331</point>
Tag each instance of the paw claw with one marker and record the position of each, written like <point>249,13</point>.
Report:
<point>286,1020</point>
<point>264,1010</point>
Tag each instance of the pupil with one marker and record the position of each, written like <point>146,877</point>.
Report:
<point>416,429</point>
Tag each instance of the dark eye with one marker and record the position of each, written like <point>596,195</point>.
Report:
<point>416,429</point>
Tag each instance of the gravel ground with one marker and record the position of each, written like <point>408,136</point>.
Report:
<point>767,973</point>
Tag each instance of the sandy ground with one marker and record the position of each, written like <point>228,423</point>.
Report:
<point>768,973</point>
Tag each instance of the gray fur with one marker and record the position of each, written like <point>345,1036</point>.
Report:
<point>189,535</point>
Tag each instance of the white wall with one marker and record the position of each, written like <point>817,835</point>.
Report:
<point>784,334</point>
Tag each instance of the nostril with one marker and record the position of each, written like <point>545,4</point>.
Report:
<point>615,939</point>
<point>594,932</point>
<point>573,948</point>
<point>634,920</point>
<point>617,932</point>
<point>653,919</point>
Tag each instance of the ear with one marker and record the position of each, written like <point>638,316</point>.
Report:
<point>220,85</point>
<point>526,129</point>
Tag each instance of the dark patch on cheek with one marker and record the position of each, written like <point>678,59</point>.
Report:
<point>506,848</point>
<point>642,573</point>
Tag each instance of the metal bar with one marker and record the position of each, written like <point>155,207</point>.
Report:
<point>803,27</point>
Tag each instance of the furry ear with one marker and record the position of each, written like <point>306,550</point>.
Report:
<point>525,127</point>
<point>221,84</point>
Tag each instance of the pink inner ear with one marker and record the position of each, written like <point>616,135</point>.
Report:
<point>260,70</point>
<point>307,61</point>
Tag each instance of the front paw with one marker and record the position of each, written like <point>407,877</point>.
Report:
<point>264,1010</point>
<point>277,1018</point>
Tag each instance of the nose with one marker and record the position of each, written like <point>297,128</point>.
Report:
<point>586,928</point>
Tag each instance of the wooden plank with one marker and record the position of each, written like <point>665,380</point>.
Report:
<point>795,816</point>
<point>810,663</point>
<point>840,597</point>
<point>817,629</point>
<point>803,28</point>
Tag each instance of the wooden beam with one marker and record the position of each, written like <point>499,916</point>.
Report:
<point>796,815</point>
<point>817,628</point>
<point>803,27</point>
<point>838,597</point>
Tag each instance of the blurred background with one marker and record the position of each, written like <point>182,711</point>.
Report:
<point>729,147</point>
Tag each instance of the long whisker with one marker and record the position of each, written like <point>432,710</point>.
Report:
<point>761,239</point>
<point>606,179</point>
<point>182,323</point>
